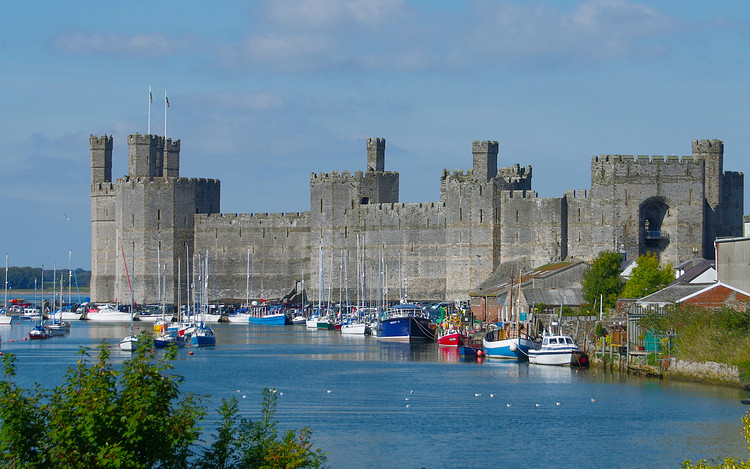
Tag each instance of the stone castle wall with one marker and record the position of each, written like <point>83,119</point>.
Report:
<point>368,239</point>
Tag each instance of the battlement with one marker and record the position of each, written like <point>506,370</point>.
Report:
<point>131,182</point>
<point>708,146</point>
<point>485,146</point>
<point>576,194</point>
<point>102,188</point>
<point>643,159</point>
<point>147,139</point>
<point>345,176</point>
<point>172,145</point>
<point>105,142</point>
<point>507,195</point>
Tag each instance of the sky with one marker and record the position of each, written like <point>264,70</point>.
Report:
<point>264,93</point>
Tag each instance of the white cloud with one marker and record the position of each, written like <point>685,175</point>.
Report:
<point>149,45</point>
<point>301,35</point>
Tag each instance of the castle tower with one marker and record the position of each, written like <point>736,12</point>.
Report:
<point>376,154</point>
<point>712,153</point>
<point>145,155</point>
<point>101,158</point>
<point>485,159</point>
<point>102,218</point>
<point>171,159</point>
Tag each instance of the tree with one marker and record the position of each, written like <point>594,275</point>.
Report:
<point>602,279</point>
<point>245,443</point>
<point>647,277</point>
<point>134,417</point>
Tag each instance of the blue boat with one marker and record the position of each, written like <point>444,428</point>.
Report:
<point>405,322</point>
<point>502,340</point>
<point>202,336</point>
<point>267,316</point>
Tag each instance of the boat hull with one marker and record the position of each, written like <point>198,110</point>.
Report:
<point>269,320</point>
<point>109,316</point>
<point>239,318</point>
<point>203,340</point>
<point>507,349</point>
<point>128,344</point>
<point>559,358</point>
<point>454,339</point>
<point>358,329</point>
<point>406,329</point>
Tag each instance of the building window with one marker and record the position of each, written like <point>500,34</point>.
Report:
<point>158,215</point>
<point>460,214</point>
<point>481,215</point>
<point>517,216</point>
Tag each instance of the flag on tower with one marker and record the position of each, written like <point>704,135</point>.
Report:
<point>165,97</point>
<point>150,96</point>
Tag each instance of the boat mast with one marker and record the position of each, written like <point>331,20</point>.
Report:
<point>247,282</point>
<point>70,280</point>
<point>6,284</point>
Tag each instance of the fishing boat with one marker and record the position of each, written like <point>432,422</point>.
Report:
<point>558,350</point>
<point>507,340</point>
<point>510,338</point>
<point>405,322</point>
<point>451,332</point>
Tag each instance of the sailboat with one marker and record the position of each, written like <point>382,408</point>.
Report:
<point>130,342</point>
<point>69,314</point>
<point>58,326</point>
<point>203,335</point>
<point>354,324</point>
<point>5,319</point>
<point>39,332</point>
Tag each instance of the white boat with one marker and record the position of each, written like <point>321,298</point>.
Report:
<point>109,314</point>
<point>311,322</point>
<point>129,343</point>
<point>299,319</point>
<point>239,318</point>
<point>558,350</point>
<point>354,328</point>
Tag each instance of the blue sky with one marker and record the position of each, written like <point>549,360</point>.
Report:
<point>263,93</point>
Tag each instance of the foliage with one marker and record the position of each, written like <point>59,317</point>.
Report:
<point>245,443</point>
<point>22,278</point>
<point>134,417</point>
<point>647,277</point>
<point>602,278</point>
<point>728,463</point>
<point>717,335</point>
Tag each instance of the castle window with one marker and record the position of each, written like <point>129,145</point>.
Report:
<point>158,215</point>
<point>132,219</point>
<point>460,214</point>
<point>365,200</point>
<point>517,237</point>
<point>481,216</point>
<point>346,231</point>
<point>287,232</point>
<point>321,205</point>
<point>579,236</point>
<point>516,216</point>
<point>579,216</point>
<point>352,204</point>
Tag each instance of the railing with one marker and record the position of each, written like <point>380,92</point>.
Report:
<point>657,234</point>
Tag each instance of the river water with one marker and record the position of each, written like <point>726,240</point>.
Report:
<point>374,404</point>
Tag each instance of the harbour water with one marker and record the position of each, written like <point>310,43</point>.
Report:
<point>374,404</point>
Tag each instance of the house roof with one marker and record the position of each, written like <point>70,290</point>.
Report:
<point>691,272</point>
<point>717,295</point>
<point>672,293</point>
<point>553,296</point>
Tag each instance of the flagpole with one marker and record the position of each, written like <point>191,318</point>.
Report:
<point>166,105</point>
<point>150,98</point>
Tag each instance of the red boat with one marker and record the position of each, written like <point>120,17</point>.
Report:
<point>452,338</point>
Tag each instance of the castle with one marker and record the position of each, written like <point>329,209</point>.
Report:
<point>151,225</point>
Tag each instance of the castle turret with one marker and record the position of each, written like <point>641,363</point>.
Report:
<point>376,154</point>
<point>485,159</point>
<point>145,155</point>
<point>101,158</point>
<point>171,159</point>
<point>712,153</point>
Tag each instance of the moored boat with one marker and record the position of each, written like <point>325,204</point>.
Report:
<point>39,332</point>
<point>107,313</point>
<point>405,322</point>
<point>558,350</point>
<point>507,341</point>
